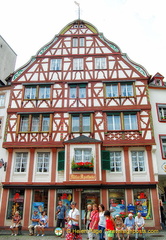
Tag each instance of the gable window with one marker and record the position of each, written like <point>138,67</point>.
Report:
<point>35,123</point>
<point>100,63</point>
<point>112,90</point>
<point>77,91</point>
<point>43,161</point>
<point>21,162</point>
<point>79,42</point>
<point>80,122</point>
<point>56,64</point>
<point>163,146</point>
<point>115,161</point>
<point>83,155</point>
<point>122,121</point>
<point>138,161</point>
<point>78,64</point>
<point>162,112</point>
<point>2,100</point>
<point>37,92</point>
<point>119,89</point>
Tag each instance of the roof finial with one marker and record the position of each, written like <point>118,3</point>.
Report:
<point>78,8</point>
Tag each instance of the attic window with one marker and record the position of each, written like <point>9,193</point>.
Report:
<point>158,82</point>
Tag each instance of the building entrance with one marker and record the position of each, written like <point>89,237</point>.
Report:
<point>89,196</point>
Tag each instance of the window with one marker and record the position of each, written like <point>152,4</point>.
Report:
<point>56,64</point>
<point>130,121</point>
<point>126,90</point>
<point>81,123</point>
<point>162,112</point>
<point>114,122</point>
<point>100,63</point>
<point>43,161</point>
<point>35,123</point>
<point>2,100</point>
<point>122,121</point>
<point>37,92</point>
<point>21,162</point>
<point>119,89</point>
<point>83,155</point>
<point>40,200</point>
<point>116,201</point>
<point>78,42</point>
<point>111,90</point>
<point>78,64</point>
<point>163,143</point>
<point>77,91</point>
<point>138,162</point>
<point>116,162</point>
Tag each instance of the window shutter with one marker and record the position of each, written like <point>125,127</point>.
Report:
<point>105,160</point>
<point>61,160</point>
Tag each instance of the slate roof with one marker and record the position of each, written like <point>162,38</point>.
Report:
<point>82,139</point>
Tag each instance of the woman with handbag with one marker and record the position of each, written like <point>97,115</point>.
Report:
<point>73,223</point>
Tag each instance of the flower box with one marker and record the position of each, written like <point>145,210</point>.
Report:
<point>82,169</point>
<point>82,166</point>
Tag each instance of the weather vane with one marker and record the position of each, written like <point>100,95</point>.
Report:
<point>78,8</point>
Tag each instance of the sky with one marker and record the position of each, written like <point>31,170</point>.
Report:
<point>136,26</point>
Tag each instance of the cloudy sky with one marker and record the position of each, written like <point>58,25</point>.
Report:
<point>136,26</point>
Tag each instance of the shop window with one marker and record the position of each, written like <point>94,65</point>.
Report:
<point>138,161</point>
<point>163,145</point>
<point>117,201</point>
<point>78,64</point>
<point>122,121</point>
<point>66,196</point>
<point>56,64</point>
<point>21,162</point>
<point>2,100</point>
<point>40,200</point>
<point>77,91</point>
<point>80,122</point>
<point>162,112</point>
<point>100,63</point>
<point>35,123</point>
<point>43,159</point>
<point>15,202</point>
<point>142,202</point>
<point>116,161</point>
<point>37,92</point>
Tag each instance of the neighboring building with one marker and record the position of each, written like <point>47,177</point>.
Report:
<point>157,92</point>
<point>7,60</point>
<point>79,128</point>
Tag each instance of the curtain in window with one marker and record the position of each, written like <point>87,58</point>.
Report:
<point>35,123</point>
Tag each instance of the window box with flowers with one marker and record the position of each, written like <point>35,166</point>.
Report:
<point>82,166</point>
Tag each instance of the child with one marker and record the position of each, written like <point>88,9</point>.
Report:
<point>109,225</point>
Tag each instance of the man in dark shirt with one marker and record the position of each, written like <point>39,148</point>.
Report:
<point>60,212</point>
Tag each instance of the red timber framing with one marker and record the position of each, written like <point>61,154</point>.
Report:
<point>104,82</point>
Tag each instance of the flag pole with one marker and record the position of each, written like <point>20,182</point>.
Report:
<point>78,8</point>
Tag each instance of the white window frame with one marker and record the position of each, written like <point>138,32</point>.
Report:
<point>111,90</point>
<point>82,156</point>
<point>43,162</point>
<point>126,90</point>
<point>21,159</point>
<point>77,92</point>
<point>30,92</point>
<point>114,121</point>
<point>2,100</point>
<point>116,161</point>
<point>78,64</point>
<point>78,121</point>
<point>132,122</point>
<point>100,63</point>
<point>163,145</point>
<point>162,112</point>
<point>56,64</point>
<point>138,161</point>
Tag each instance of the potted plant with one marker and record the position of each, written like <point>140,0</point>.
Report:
<point>82,166</point>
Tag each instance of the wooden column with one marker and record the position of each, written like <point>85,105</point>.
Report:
<point>54,163</point>
<point>155,206</point>
<point>150,163</point>
<point>104,198</point>
<point>51,204</point>
<point>127,164</point>
<point>31,165</point>
<point>129,196</point>
<point>27,207</point>
<point>3,209</point>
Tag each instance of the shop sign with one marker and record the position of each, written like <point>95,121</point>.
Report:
<point>82,177</point>
<point>69,191</point>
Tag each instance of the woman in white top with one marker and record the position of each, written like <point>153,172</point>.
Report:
<point>101,226</point>
<point>73,223</point>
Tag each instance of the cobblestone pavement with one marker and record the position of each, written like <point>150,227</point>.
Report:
<point>4,235</point>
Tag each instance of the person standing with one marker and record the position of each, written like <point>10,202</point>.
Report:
<point>139,225</point>
<point>61,214</point>
<point>35,220</point>
<point>94,220</point>
<point>110,225</point>
<point>101,226</point>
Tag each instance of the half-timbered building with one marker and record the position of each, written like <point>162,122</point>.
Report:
<point>79,128</point>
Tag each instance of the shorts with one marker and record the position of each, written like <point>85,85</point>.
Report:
<point>60,223</point>
<point>110,233</point>
<point>14,225</point>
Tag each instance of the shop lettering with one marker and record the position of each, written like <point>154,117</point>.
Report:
<point>82,177</point>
